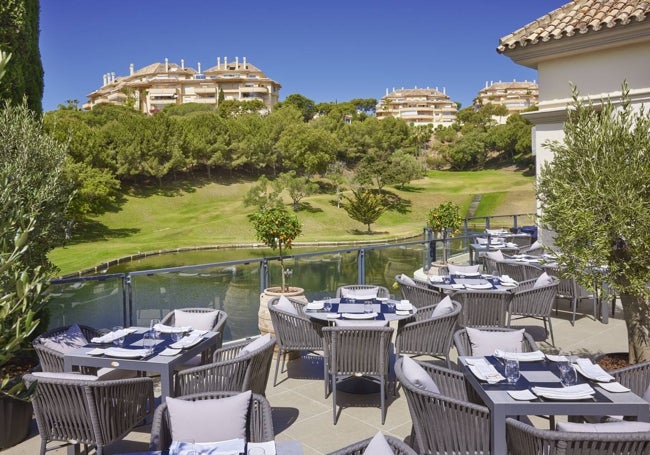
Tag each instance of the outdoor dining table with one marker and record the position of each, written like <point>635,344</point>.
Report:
<point>354,309</point>
<point>281,448</point>
<point>165,365</point>
<point>544,373</point>
<point>476,250</point>
<point>451,284</point>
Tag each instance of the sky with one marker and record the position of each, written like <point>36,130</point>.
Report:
<point>326,50</point>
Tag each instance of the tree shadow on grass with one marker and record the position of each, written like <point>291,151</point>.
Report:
<point>396,203</point>
<point>365,232</point>
<point>92,231</point>
<point>411,189</point>
<point>307,207</point>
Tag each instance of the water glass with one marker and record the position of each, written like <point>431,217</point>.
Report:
<point>119,342</point>
<point>512,370</point>
<point>367,307</point>
<point>148,342</point>
<point>568,375</point>
<point>152,329</point>
<point>327,306</point>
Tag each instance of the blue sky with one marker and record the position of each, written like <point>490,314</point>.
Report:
<point>331,50</point>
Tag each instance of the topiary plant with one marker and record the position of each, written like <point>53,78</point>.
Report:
<point>446,221</point>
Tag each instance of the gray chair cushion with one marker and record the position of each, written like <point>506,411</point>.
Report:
<point>495,255</point>
<point>485,342</point>
<point>209,420</point>
<point>361,294</point>
<point>418,375</point>
<point>543,280</point>
<point>454,269</point>
<point>407,280</point>
<point>71,376</point>
<point>445,306</point>
<point>71,339</point>
<point>285,305</point>
<point>254,345</point>
<point>605,427</point>
<point>378,446</point>
<point>198,321</point>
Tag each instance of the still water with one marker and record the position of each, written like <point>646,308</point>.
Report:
<point>102,301</point>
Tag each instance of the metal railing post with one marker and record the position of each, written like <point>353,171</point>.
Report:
<point>127,301</point>
<point>264,274</point>
<point>361,266</point>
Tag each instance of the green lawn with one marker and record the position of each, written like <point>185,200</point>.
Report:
<point>210,213</point>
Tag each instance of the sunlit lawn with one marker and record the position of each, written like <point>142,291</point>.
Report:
<point>213,214</point>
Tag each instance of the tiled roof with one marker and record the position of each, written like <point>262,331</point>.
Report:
<point>578,16</point>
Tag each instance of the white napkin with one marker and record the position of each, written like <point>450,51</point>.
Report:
<point>169,329</point>
<point>333,315</point>
<point>522,395</point>
<point>557,358</point>
<point>614,387</point>
<point>402,312</point>
<point>574,392</point>
<point>593,371</point>
<point>187,341</point>
<point>458,286</point>
<point>436,279</point>
<point>372,315</point>
<point>404,305</point>
<point>484,370</point>
<point>126,353</point>
<point>507,279</point>
<point>112,336</point>
<point>315,305</point>
<point>170,352</point>
<point>520,356</point>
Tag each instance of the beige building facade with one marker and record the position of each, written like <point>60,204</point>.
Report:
<point>515,96</point>
<point>418,106</point>
<point>157,85</point>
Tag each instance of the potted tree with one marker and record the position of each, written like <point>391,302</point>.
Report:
<point>444,220</point>
<point>277,229</point>
<point>594,199</point>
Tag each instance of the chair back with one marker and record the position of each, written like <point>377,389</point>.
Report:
<point>419,295</point>
<point>531,301</point>
<point>51,359</point>
<point>352,350</point>
<point>358,448</point>
<point>518,271</point>
<point>294,331</point>
<point>524,439</point>
<point>259,423</point>
<point>219,322</point>
<point>444,422</point>
<point>90,412</point>
<point>362,291</point>
<point>482,308</point>
<point>464,346</point>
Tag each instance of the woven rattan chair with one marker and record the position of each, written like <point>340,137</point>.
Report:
<point>229,371</point>
<point>529,301</point>
<point>569,289</point>
<point>259,420</point>
<point>446,422</point>
<point>635,377</point>
<point>518,271</point>
<point>524,439</point>
<point>464,347</point>
<point>426,335</point>
<point>293,332</point>
<point>92,413</point>
<point>358,448</point>
<point>420,296</point>
<point>357,350</point>
<point>480,308</point>
<point>52,360</point>
<point>219,326</point>
<point>359,289</point>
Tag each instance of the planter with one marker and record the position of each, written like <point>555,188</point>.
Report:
<point>15,421</point>
<point>613,360</point>
<point>263,317</point>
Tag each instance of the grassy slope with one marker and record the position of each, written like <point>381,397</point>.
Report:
<point>213,214</point>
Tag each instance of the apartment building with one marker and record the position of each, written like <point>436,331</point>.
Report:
<point>157,85</point>
<point>418,106</point>
<point>515,96</point>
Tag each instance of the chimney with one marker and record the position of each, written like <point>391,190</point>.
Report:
<point>199,64</point>
<point>113,76</point>
<point>166,65</point>
<point>182,63</point>
<point>245,66</point>
<point>444,90</point>
<point>386,91</point>
<point>486,84</point>
<point>104,79</point>
<point>131,69</point>
<point>225,62</point>
<point>218,63</point>
<point>236,63</point>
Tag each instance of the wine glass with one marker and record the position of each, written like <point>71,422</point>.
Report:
<point>119,342</point>
<point>148,342</point>
<point>512,370</point>
<point>152,328</point>
<point>327,306</point>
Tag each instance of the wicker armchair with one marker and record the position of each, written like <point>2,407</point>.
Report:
<point>524,439</point>
<point>357,350</point>
<point>259,421</point>
<point>464,347</point>
<point>427,335</point>
<point>52,360</point>
<point>518,271</point>
<point>529,301</point>
<point>92,413</point>
<point>358,448</point>
<point>447,422</point>
<point>293,332</point>
<point>229,371</point>
<point>219,326</point>
<point>569,289</point>
<point>635,377</point>
<point>483,309</point>
<point>419,295</point>
<point>363,289</point>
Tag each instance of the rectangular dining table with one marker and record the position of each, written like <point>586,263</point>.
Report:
<point>545,374</point>
<point>161,364</point>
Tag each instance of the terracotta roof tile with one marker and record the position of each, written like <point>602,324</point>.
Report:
<point>577,16</point>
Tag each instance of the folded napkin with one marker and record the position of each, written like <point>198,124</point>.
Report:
<point>315,305</point>
<point>520,356</point>
<point>522,395</point>
<point>372,315</point>
<point>170,352</point>
<point>126,353</point>
<point>402,312</point>
<point>484,370</point>
<point>507,279</point>
<point>479,286</point>
<point>169,329</point>
<point>593,371</point>
<point>614,387</point>
<point>404,305</point>
<point>188,341</point>
<point>231,446</point>
<point>332,315</point>
<point>574,392</point>
<point>557,358</point>
<point>112,336</point>
<point>436,279</point>
<point>458,286</point>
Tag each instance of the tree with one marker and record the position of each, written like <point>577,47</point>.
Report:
<point>445,220</point>
<point>595,198</point>
<point>468,152</point>
<point>302,103</point>
<point>277,228</point>
<point>404,167</point>
<point>336,174</point>
<point>263,195</point>
<point>297,187</point>
<point>365,206</point>
<point>19,33</point>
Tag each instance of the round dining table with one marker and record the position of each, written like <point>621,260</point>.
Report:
<point>377,309</point>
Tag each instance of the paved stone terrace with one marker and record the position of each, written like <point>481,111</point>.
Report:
<point>301,412</point>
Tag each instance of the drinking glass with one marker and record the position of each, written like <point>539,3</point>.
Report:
<point>148,342</point>
<point>367,307</point>
<point>152,329</point>
<point>512,370</point>
<point>568,375</point>
<point>327,306</point>
<point>119,342</point>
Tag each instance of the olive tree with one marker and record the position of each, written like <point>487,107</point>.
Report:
<point>595,197</point>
